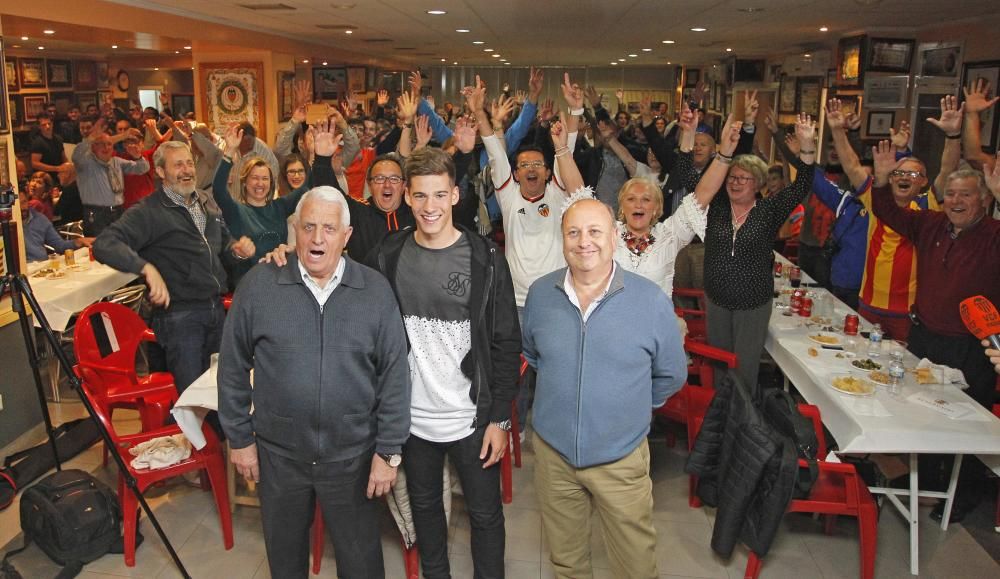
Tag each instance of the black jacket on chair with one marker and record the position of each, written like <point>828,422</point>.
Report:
<point>744,468</point>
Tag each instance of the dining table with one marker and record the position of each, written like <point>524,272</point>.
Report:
<point>63,292</point>
<point>915,418</point>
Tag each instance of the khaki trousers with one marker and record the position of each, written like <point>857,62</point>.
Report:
<point>622,493</point>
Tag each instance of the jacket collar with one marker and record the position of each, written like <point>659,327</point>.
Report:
<point>289,274</point>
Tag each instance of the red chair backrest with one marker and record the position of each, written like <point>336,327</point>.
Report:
<point>124,329</point>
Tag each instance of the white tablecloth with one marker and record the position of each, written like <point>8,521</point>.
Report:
<point>61,298</point>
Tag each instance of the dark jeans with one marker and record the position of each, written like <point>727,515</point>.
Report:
<point>289,491</point>
<point>424,462</point>
<point>847,295</point>
<point>188,339</point>
<point>966,354</point>
<point>97,217</point>
<point>813,261</point>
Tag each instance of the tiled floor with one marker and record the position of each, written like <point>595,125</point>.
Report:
<point>802,550</point>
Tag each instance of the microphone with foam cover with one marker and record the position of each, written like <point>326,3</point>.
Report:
<point>981,318</point>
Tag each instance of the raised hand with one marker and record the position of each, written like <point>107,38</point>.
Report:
<point>183,127</point>
<point>165,99</point>
<point>465,134</point>
<point>233,136</point>
<point>406,107</point>
<point>535,77</point>
<point>475,96</point>
<point>951,116</point>
<point>424,132</point>
<point>835,115</point>
<point>593,96</point>
<point>978,99</point>
<point>771,121</point>
<point>382,97</point>
<point>620,95</point>
<point>501,109</point>
<point>793,144</point>
<point>884,155</point>
<point>560,137</point>
<point>572,93</point>
<point>853,121</point>
<point>606,130</point>
<point>901,138</point>
<point>687,121</point>
<point>302,93</point>
<point>750,107</point>
<point>805,132</point>
<point>519,96</point>
<point>993,178</point>
<point>730,136</point>
<point>326,140</point>
<point>646,109</point>
<point>546,110</point>
<point>415,82</point>
<point>700,90</point>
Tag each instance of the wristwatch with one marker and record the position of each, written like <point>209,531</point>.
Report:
<point>504,425</point>
<point>392,460</point>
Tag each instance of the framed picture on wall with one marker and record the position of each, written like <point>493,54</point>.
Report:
<point>692,77</point>
<point>879,123</point>
<point>286,95</point>
<point>63,101</point>
<point>32,72</point>
<point>85,72</point>
<point>808,93</point>
<point>850,61</point>
<point>34,105</point>
<point>942,59</point>
<point>786,96</point>
<point>887,92</point>
<point>356,79</point>
<point>989,120</point>
<point>10,73</point>
<point>233,92</point>
<point>890,55</point>
<point>329,84</point>
<point>4,121</point>
<point>60,73</point>
<point>102,74</point>
<point>16,110</point>
<point>181,104</point>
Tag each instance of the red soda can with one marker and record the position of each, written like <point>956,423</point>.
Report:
<point>777,269</point>
<point>796,301</point>
<point>805,310</point>
<point>851,324</point>
<point>795,276</point>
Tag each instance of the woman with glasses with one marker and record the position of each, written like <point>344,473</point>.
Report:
<point>739,238</point>
<point>258,214</point>
<point>294,174</point>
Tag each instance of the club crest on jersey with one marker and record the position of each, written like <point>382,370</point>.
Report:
<point>543,209</point>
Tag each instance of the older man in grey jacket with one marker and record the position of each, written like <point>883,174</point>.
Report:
<point>331,392</point>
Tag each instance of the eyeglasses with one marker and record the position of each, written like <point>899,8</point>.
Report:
<point>295,172</point>
<point>531,164</point>
<point>381,179</point>
<point>739,180</point>
<point>910,174</point>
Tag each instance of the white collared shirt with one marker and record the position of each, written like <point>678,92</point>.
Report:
<point>573,299</point>
<point>322,293</point>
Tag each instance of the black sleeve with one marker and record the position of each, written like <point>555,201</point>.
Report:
<point>745,145</point>
<point>664,149</point>
<point>505,342</point>
<point>390,142</point>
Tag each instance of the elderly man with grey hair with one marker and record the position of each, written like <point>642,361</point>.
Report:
<point>330,395</point>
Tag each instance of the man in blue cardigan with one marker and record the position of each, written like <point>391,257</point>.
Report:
<point>607,350</point>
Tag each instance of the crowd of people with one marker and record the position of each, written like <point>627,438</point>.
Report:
<point>410,257</point>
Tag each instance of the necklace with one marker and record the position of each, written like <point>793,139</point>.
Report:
<point>737,221</point>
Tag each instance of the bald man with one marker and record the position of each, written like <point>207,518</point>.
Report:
<point>592,411</point>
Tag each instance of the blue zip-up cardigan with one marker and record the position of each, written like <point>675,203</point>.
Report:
<point>598,381</point>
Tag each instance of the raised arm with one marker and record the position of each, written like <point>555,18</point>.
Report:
<point>220,185</point>
<point>976,102</point>
<point>565,167</point>
<point>406,111</point>
<point>950,124</point>
<point>475,98</point>
<point>715,176</point>
<point>785,201</point>
<point>610,136</point>
<point>993,178</point>
<point>903,221</point>
<point>836,120</point>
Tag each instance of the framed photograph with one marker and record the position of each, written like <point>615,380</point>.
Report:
<point>879,123</point>
<point>34,105</point>
<point>887,92</point>
<point>181,104</point>
<point>850,103</point>
<point>85,99</point>
<point>233,92</point>
<point>10,74</point>
<point>356,79</point>
<point>4,121</point>
<point>286,95</point>
<point>988,119</point>
<point>60,73</point>
<point>16,110</point>
<point>32,72</point>
<point>329,84</point>
<point>808,93</point>
<point>85,75</point>
<point>692,77</point>
<point>786,96</point>
<point>890,55</point>
<point>102,75</point>
<point>943,59</point>
<point>850,60</point>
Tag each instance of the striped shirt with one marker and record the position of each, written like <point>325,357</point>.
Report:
<point>890,278</point>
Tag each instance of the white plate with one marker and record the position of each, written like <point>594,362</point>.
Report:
<point>838,342</point>
<point>881,366</point>
<point>867,385</point>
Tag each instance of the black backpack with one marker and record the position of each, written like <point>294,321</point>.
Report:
<point>782,413</point>
<point>73,517</point>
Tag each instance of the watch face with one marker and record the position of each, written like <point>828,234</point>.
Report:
<point>395,460</point>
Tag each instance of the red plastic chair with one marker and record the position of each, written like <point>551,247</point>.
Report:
<point>112,378</point>
<point>695,317</point>
<point>210,459</point>
<point>411,557</point>
<point>701,371</point>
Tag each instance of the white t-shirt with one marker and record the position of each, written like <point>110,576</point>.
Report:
<point>532,229</point>
<point>671,236</point>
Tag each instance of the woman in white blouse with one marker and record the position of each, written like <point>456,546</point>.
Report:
<point>644,245</point>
